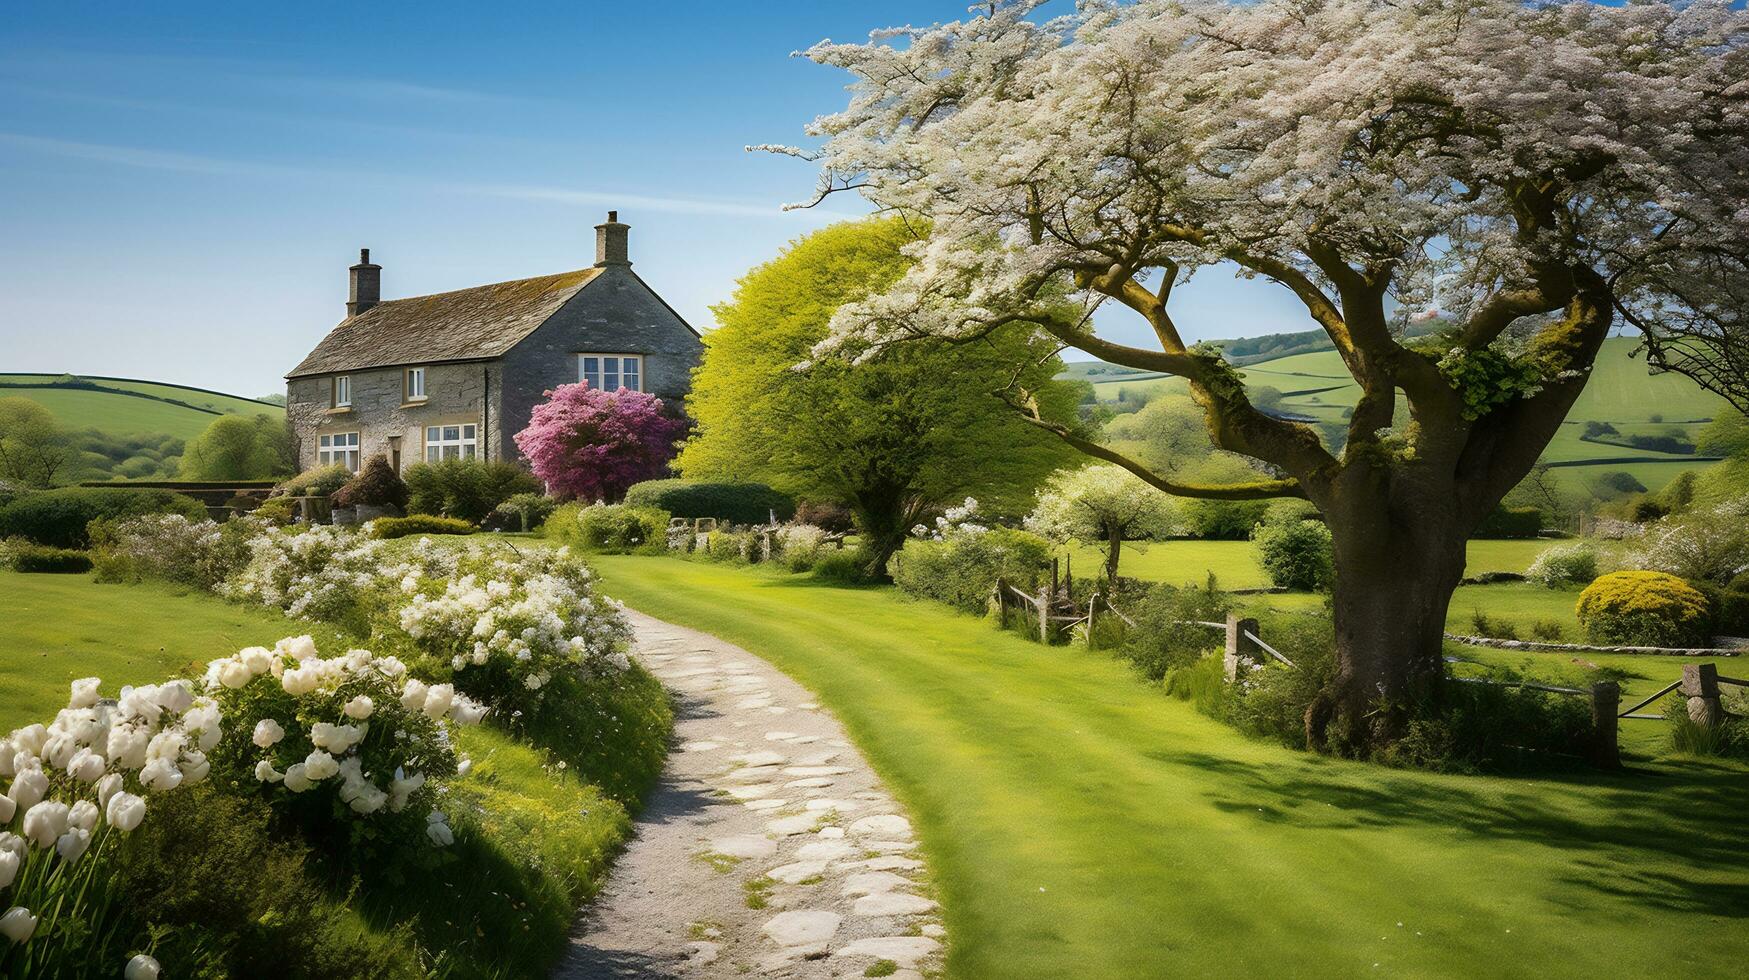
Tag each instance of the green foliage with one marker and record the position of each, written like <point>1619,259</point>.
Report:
<point>322,481</point>
<point>465,488</point>
<point>1494,726</point>
<point>238,447</point>
<point>1687,737</point>
<point>800,546</point>
<point>913,428</point>
<point>21,555</point>
<point>1641,608</point>
<point>33,448</point>
<point>735,503</point>
<point>522,512</point>
<point>1617,483</point>
<point>400,527</point>
<point>1169,434</point>
<point>59,517</point>
<point>1511,522</point>
<point>1563,565</point>
<point>1296,554</point>
<point>847,567</point>
<point>616,529</point>
<point>1487,379</point>
<point>961,570</point>
<point>1100,505</point>
<point>275,510</point>
<point>734,547</point>
<point>376,485</point>
<point>1169,634</point>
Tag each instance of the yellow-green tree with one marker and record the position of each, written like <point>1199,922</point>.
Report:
<point>239,447</point>
<point>898,434</point>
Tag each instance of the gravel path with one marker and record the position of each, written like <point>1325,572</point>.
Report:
<point>769,847</point>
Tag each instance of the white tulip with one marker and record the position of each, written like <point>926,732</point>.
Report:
<point>84,692</point>
<point>8,758</point>
<point>29,738</point>
<point>437,828</point>
<point>234,674</point>
<point>299,647</point>
<point>58,748</point>
<point>359,708</point>
<point>319,765</point>
<point>438,700</point>
<point>83,815</point>
<point>258,659</point>
<point>195,767</point>
<point>125,811</point>
<point>28,788</point>
<point>141,967</point>
<point>267,733</point>
<point>295,780</point>
<point>160,774</point>
<point>72,845</point>
<point>17,924</point>
<point>175,696</point>
<point>167,744</point>
<point>11,843</point>
<point>9,865</point>
<point>86,766</point>
<point>413,696</point>
<point>107,787</point>
<point>265,772</point>
<point>45,822</point>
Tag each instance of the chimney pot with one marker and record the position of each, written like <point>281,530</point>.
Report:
<point>610,242</point>
<point>365,288</point>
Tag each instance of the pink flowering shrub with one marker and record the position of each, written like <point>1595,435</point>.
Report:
<point>590,444</point>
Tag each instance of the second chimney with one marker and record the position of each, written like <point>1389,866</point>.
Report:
<point>610,242</point>
<point>366,289</point>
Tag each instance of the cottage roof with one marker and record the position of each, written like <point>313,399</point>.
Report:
<point>464,325</point>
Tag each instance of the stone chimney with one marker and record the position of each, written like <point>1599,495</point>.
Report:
<point>367,284</point>
<point>610,241</point>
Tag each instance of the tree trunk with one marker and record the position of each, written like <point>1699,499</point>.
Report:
<point>883,520</point>
<point>1398,559</point>
<point>1114,545</point>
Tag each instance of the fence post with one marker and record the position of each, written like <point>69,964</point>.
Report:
<point>1002,601</point>
<point>1092,609</point>
<point>1044,611</point>
<point>1239,645</point>
<point>1700,684</point>
<point>1605,705</point>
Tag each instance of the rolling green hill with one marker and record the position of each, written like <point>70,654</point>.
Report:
<point>118,406</point>
<point>1620,392</point>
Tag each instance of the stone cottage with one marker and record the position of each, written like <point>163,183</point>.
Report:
<point>456,374</point>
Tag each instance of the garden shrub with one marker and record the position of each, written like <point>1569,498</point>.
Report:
<point>843,567</point>
<point>275,510</point>
<point>1296,553</point>
<point>831,517</point>
<point>800,546</point>
<point>400,527</point>
<point>522,512</point>
<point>59,517</point>
<point>1167,635</point>
<point>611,529</point>
<point>733,503</point>
<point>961,570</point>
<point>1730,738</point>
<point>1710,543</point>
<point>173,548</point>
<point>1643,608</point>
<point>377,485</point>
<point>1511,522</point>
<point>28,556</point>
<point>1494,726</point>
<point>319,482</point>
<point>734,547</point>
<point>1548,631</point>
<point>1223,520</point>
<point>1563,565</point>
<point>1202,682</point>
<point>465,488</point>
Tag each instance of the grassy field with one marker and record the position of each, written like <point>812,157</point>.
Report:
<point>1079,823</point>
<point>108,411</point>
<point>1234,563</point>
<point>1620,392</point>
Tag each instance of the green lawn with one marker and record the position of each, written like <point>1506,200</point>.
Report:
<point>1081,824</point>
<point>1234,563</point>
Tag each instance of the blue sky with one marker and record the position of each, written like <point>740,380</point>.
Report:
<point>183,185</point>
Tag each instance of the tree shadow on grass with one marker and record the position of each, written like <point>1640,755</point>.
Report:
<point>1669,838</point>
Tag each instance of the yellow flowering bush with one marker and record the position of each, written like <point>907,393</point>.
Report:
<point>1644,608</point>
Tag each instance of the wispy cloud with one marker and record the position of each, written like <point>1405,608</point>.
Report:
<point>149,159</point>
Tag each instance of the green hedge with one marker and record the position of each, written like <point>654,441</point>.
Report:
<point>26,556</point>
<point>962,571</point>
<point>59,517</point>
<point>1511,522</point>
<point>465,488</point>
<point>400,527</point>
<point>614,529</point>
<point>736,503</point>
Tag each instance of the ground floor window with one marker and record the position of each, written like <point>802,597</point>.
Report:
<point>611,372</point>
<point>451,442</point>
<point>338,447</point>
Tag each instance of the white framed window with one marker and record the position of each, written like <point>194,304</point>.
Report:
<point>338,447</point>
<point>451,442</point>
<point>343,391</point>
<point>414,387</point>
<point>611,372</point>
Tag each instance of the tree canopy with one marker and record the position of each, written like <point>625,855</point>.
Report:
<point>589,444</point>
<point>33,448</point>
<point>892,436</point>
<point>1105,505</point>
<point>240,447</point>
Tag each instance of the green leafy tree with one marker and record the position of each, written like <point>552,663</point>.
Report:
<point>895,436</point>
<point>240,447</point>
<point>32,447</point>
<point>1101,505</point>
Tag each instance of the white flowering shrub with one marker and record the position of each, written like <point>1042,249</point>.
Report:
<point>1562,565</point>
<point>349,743</point>
<point>505,622</point>
<point>1710,544</point>
<point>320,572</point>
<point>800,545</point>
<point>172,547</point>
<point>73,787</point>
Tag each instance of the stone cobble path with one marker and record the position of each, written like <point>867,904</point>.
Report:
<point>768,848</point>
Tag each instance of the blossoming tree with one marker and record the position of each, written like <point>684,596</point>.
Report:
<point>1525,169</point>
<point>1101,505</point>
<point>592,444</point>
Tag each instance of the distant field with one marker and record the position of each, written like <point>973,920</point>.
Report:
<point>1234,563</point>
<point>1620,392</point>
<point>167,409</point>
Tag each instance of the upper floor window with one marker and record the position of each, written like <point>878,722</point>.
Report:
<point>342,391</point>
<point>414,385</point>
<point>611,372</point>
<point>338,447</point>
<point>451,442</point>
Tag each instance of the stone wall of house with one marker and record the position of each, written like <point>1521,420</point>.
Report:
<point>456,394</point>
<point>615,314</point>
